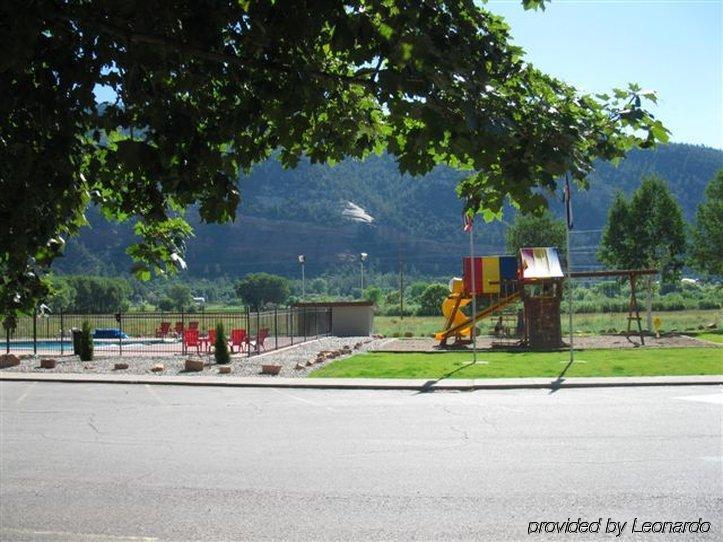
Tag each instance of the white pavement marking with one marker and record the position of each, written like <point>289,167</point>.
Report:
<point>64,535</point>
<point>285,394</point>
<point>25,393</point>
<point>714,398</point>
<point>155,394</point>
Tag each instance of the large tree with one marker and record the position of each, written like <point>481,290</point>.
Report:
<point>205,89</point>
<point>536,231</point>
<point>706,247</point>
<point>258,290</point>
<point>647,231</point>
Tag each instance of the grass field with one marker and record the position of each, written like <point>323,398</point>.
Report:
<point>424,326</point>
<point>619,362</point>
<point>712,336</point>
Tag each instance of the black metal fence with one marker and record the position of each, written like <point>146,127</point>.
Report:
<point>169,333</point>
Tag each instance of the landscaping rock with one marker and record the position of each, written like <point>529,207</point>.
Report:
<point>89,367</point>
<point>224,370</point>
<point>712,325</point>
<point>193,365</point>
<point>271,369</point>
<point>158,368</point>
<point>48,363</point>
<point>9,360</point>
<point>310,363</point>
<point>300,366</point>
<point>120,366</point>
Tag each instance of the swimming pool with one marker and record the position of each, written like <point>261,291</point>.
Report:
<point>65,346</point>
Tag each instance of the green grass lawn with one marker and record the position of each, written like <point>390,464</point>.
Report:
<point>608,362</point>
<point>712,336</point>
<point>682,321</point>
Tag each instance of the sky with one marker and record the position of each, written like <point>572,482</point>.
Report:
<point>672,46</point>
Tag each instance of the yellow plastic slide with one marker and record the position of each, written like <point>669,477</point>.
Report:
<point>459,317</point>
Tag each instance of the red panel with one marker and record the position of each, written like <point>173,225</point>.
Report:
<point>467,276</point>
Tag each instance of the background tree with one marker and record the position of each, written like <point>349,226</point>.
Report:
<point>706,247</point>
<point>430,302</point>
<point>647,232</point>
<point>203,93</point>
<point>528,230</point>
<point>373,294</point>
<point>180,297</point>
<point>260,289</point>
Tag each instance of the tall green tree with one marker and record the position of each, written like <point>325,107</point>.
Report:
<point>201,91</point>
<point>706,247</point>
<point>529,230</point>
<point>260,289</point>
<point>648,231</point>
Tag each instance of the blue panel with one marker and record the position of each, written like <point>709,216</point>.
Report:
<point>508,267</point>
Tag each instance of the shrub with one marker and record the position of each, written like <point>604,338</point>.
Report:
<point>430,302</point>
<point>708,304</point>
<point>220,351</point>
<point>86,342</point>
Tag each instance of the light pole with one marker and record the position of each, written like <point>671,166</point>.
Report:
<point>362,258</point>
<point>302,261</point>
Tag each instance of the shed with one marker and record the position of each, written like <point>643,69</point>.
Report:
<point>348,318</point>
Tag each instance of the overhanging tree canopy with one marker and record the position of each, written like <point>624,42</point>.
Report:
<point>206,89</point>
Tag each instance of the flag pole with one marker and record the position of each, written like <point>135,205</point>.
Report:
<point>569,225</point>
<point>474,293</point>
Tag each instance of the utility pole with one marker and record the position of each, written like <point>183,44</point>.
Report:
<point>302,261</point>
<point>362,258</point>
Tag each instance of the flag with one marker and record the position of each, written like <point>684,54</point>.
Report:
<point>568,203</point>
<point>468,221</point>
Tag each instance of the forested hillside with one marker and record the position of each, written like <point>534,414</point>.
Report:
<point>288,212</point>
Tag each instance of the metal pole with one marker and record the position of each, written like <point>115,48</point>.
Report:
<point>62,334</point>
<point>474,295</point>
<point>258,330</point>
<point>7,340</point>
<point>362,279</point>
<point>183,338</point>
<point>248,331</point>
<point>303,283</point>
<point>35,331</point>
<point>276,328</point>
<point>569,288</point>
<point>120,335</point>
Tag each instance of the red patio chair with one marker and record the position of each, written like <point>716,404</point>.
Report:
<point>209,340</point>
<point>191,340</point>
<point>238,338</point>
<point>263,334</point>
<point>193,325</point>
<point>163,330</point>
<point>178,329</point>
<point>260,338</point>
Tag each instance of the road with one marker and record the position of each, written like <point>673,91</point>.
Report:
<point>140,462</point>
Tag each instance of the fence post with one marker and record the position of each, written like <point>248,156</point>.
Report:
<point>35,330</point>
<point>7,340</point>
<point>183,338</point>
<point>258,329</point>
<point>120,335</point>
<point>303,321</point>
<point>62,334</point>
<point>276,328</point>
<point>248,331</point>
<point>290,324</point>
<point>316,321</point>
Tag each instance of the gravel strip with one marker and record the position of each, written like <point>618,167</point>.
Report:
<point>241,365</point>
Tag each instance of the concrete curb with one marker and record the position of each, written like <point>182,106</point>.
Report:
<point>419,385</point>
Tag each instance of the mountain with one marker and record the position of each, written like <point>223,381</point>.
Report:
<point>289,212</point>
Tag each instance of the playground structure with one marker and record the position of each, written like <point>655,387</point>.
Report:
<point>535,278</point>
